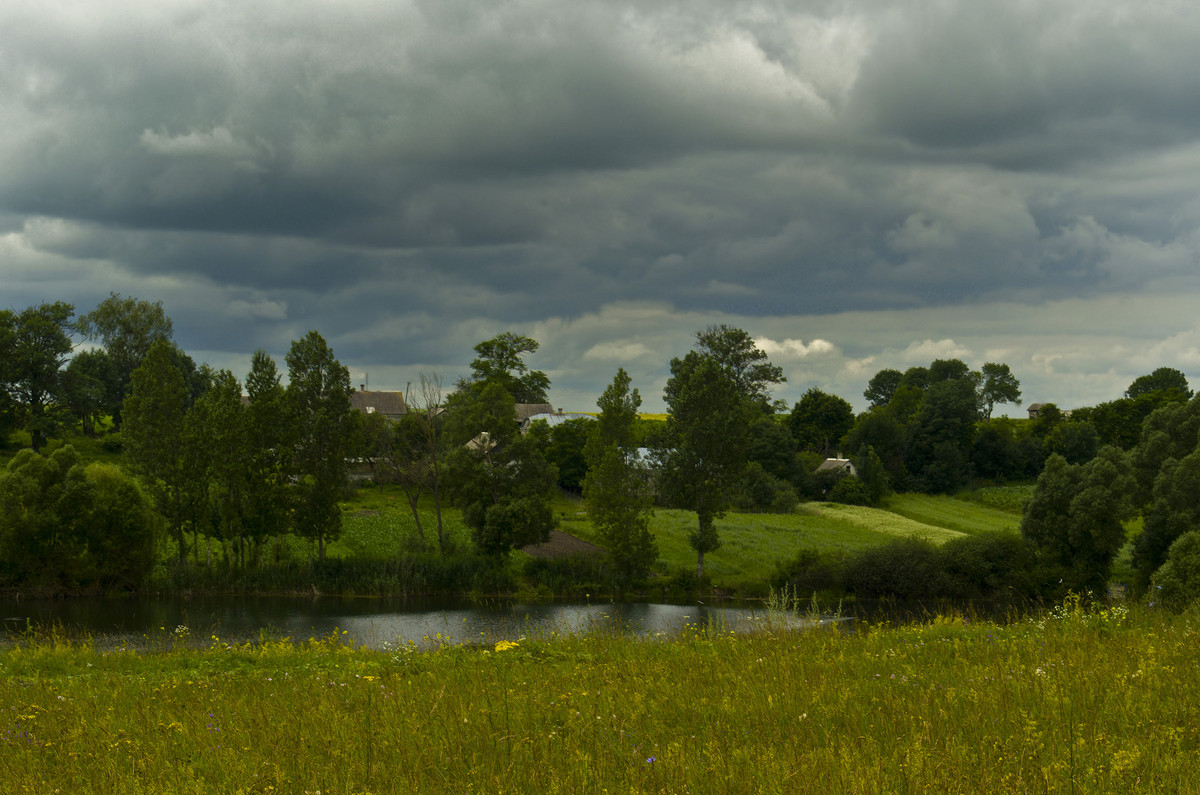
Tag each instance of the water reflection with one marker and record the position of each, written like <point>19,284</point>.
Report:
<point>147,622</point>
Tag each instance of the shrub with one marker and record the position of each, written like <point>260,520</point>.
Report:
<point>988,564</point>
<point>908,568</point>
<point>1177,582</point>
<point>811,570</point>
<point>849,490</point>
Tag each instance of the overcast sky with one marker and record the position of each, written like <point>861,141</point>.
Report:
<point>858,185</point>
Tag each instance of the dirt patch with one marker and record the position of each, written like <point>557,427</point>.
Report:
<point>367,512</point>
<point>562,545</point>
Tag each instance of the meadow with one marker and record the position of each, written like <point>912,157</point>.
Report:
<point>1074,700</point>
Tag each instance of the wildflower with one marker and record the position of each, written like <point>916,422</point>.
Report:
<point>505,645</point>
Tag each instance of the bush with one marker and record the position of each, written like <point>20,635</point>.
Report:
<point>849,490</point>
<point>908,568</point>
<point>988,564</point>
<point>811,570</point>
<point>1176,584</point>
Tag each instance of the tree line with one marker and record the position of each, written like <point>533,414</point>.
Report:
<point>224,468</point>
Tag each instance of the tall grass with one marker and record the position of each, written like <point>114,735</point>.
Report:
<point>1073,701</point>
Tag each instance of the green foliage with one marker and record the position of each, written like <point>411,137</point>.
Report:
<point>318,397</point>
<point>907,568</point>
<point>1176,583</point>
<point>819,421</point>
<point>1075,516</point>
<point>153,436</point>
<point>501,360</point>
<point>126,328</point>
<point>565,451</point>
<point>500,478</point>
<point>941,435</point>
<point>1173,511</point>
<point>67,526</point>
<point>988,564</point>
<point>970,513</point>
<point>706,433</point>
<point>734,350</point>
<point>40,346</point>
<point>882,386</point>
<point>617,488</point>
<point>872,474</point>
<point>1164,379</point>
<point>849,490</point>
<point>999,386</point>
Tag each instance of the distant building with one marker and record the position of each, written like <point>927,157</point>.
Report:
<point>842,465</point>
<point>389,404</point>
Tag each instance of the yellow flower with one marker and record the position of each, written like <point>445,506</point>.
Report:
<point>505,645</point>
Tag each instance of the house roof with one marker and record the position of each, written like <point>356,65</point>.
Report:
<point>835,463</point>
<point>555,419</point>
<point>527,410</point>
<point>389,404</point>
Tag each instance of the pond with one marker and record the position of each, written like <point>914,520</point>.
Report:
<point>149,622</point>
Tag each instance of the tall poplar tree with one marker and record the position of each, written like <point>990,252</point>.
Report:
<point>705,450</point>
<point>318,395</point>
<point>616,487</point>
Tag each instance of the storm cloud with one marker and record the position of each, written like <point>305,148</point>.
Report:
<point>859,185</point>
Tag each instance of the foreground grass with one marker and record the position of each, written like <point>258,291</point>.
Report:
<point>1077,701</point>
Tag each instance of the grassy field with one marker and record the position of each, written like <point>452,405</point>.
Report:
<point>1072,701</point>
<point>964,516</point>
<point>379,524</point>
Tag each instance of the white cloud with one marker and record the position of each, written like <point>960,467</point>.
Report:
<point>795,349</point>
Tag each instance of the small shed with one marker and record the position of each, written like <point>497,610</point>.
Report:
<point>843,465</point>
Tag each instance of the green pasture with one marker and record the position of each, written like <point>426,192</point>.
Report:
<point>952,513</point>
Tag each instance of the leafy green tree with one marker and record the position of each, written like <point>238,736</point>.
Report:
<point>706,433</point>
<point>268,430</point>
<point>216,434</point>
<point>1074,440</point>
<point>616,486</point>
<point>941,436</point>
<point>882,386</point>
<point>318,395</point>
<point>999,386</point>
<point>872,474</point>
<point>1164,379</point>
<point>880,430</point>
<point>126,328</point>
<point>87,381</point>
<point>1170,431</point>
<point>735,351</point>
<point>1076,516</point>
<point>567,440</point>
<point>118,527</point>
<point>916,378</point>
<point>948,370</point>
<point>819,421</point>
<point>501,360</point>
<point>1176,583</point>
<point>1174,509</point>
<point>41,347</point>
<point>8,403</point>
<point>65,526</point>
<point>41,499</point>
<point>500,478</point>
<point>154,437</point>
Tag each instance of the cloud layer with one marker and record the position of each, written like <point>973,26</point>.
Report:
<point>858,185</point>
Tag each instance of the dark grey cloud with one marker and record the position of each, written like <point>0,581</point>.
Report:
<point>414,177</point>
